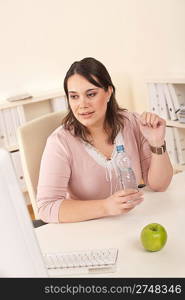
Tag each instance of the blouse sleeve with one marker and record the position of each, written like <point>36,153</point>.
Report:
<point>53,178</point>
<point>144,150</point>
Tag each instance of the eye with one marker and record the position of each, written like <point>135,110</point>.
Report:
<point>73,96</point>
<point>91,95</point>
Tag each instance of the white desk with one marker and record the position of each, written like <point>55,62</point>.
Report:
<point>123,232</point>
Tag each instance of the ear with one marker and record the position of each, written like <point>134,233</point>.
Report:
<point>110,90</point>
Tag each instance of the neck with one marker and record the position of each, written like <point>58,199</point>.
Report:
<point>98,133</point>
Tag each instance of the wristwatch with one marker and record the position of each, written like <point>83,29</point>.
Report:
<point>158,150</point>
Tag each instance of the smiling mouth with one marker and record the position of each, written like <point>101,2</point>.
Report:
<point>87,113</point>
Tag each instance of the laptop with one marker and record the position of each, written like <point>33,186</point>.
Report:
<point>20,253</point>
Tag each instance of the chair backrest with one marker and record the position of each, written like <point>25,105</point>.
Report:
<point>32,137</point>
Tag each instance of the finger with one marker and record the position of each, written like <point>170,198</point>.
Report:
<point>127,210</point>
<point>127,206</point>
<point>129,198</point>
<point>161,121</point>
<point>142,118</point>
<point>130,205</point>
<point>132,197</point>
<point>134,203</point>
<point>153,118</point>
<point>123,193</point>
<point>148,119</point>
<point>145,119</point>
<point>138,201</point>
<point>155,122</point>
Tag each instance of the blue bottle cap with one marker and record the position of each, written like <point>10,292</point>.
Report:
<point>120,148</point>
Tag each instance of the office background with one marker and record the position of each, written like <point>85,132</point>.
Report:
<point>135,39</point>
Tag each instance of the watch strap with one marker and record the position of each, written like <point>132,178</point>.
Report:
<point>158,150</point>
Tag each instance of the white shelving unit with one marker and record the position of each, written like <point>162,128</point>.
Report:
<point>176,124</point>
<point>20,112</point>
<point>179,86</point>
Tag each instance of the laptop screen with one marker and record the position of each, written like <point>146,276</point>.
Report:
<point>20,254</point>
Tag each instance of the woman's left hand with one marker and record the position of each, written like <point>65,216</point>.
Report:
<point>153,128</point>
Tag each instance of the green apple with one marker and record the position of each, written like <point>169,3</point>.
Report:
<point>153,237</point>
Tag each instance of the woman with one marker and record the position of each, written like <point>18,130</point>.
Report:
<point>78,180</point>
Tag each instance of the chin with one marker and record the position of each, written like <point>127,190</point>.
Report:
<point>87,123</point>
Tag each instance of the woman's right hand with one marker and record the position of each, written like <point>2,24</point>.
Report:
<point>123,201</point>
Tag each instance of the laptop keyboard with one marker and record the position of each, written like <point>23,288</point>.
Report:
<point>89,261</point>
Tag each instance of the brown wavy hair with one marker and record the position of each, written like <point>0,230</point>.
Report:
<point>96,73</point>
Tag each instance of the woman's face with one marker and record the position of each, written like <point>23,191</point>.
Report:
<point>87,101</point>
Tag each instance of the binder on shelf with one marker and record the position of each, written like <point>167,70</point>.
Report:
<point>10,131</point>
<point>180,142</point>
<point>171,145</point>
<point>153,98</point>
<point>163,108</point>
<point>21,115</point>
<point>15,120</point>
<point>3,133</point>
<point>170,104</point>
<point>18,169</point>
<point>178,96</point>
<point>181,114</point>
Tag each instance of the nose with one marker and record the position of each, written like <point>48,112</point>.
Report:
<point>84,101</point>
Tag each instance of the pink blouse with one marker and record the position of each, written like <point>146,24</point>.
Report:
<point>71,168</point>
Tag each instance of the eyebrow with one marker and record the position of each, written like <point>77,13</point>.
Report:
<point>86,90</point>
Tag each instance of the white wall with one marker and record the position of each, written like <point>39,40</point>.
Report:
<point>135,39</point>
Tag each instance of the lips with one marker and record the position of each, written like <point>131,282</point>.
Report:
<point>87,113</point>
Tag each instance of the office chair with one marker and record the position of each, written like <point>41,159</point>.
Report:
<point>32,137</point>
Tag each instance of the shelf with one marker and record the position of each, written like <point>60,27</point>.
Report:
<point>16,113</point>
<point>175,124</point>
<point>163,92</point>
<point>44,97</point>
<point>179,168</point>
<point>167,80</point>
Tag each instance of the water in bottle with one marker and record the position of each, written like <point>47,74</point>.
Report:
<point>126,173</point>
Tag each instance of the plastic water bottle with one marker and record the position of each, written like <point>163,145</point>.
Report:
<point>126,173</point>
